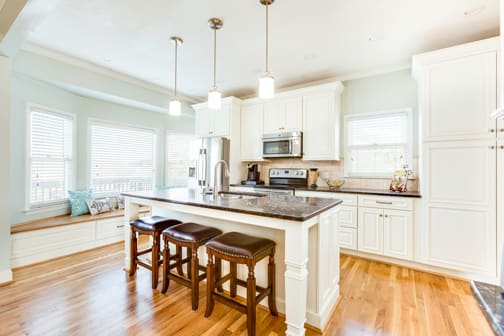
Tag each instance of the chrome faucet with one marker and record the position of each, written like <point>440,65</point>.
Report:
<point>226,173</point>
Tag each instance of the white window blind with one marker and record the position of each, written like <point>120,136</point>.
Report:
<point>377,144</point>
<point>181,156</point>
<point>50,156</point>
<point>122,158</point>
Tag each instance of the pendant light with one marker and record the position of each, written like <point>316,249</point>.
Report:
<point>214,96</point>
<point>267,82</point>
<point>175,104</point>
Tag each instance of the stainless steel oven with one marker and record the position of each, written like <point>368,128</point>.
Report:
<point>282,145</point>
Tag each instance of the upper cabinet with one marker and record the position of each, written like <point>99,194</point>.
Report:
<point>321,124</point>
<point>458,91</point>
<point>251,132</point>
<point>283,115</point>
<point>213,122</point>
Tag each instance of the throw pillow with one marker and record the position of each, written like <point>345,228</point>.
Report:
<point>99,206</point>
<point>78,201</point>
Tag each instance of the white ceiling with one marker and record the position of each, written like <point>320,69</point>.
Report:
<point>310,40</point>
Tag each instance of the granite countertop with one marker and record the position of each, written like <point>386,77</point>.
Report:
<point>362,191</point>
<point>281,206</point>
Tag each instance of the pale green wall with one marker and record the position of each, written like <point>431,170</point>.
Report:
<point>5,185</point>
<point>29,90</point>
<point>381,93</point>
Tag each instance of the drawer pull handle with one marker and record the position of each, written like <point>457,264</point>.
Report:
<point>119,226</point>
<point>383,202</point>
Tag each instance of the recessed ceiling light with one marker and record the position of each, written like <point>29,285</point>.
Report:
<point>474,11</point>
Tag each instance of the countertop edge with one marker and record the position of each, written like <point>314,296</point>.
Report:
<point>376,192</point>
<point>214,207</point>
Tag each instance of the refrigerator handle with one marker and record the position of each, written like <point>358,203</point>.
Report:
<point>202,168</point>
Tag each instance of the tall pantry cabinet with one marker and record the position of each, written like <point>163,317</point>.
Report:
<point>460,158</point>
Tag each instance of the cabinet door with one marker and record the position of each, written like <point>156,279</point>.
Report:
<point>293,114</point>
<point>460,95</point>
<point>274,117</point>
<point>319,128</point>
<point>370,232</point>
<point>251,132</point>
<point>398,234</point>
<point>221,120</point>
<point>460,206</point>
<point>347,216</point>
<point>348,238</point>
<point>204,125</point>
<point>500,200</point>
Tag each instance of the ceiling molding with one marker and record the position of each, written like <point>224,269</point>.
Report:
<point>346,77</point>
<point>71,60</point>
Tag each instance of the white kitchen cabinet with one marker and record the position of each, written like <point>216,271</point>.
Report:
<point>348,238</point>
<point>251,132</point>
<point>398,234</point>
<point>283,115</point>
<point>370,231</point>
<point>386,232</point>
<point>459,183</point>
<point>459,91</point>
<point>321,124</point>
<point>348,216</point>
<point>225,122</point>
<point>213,122</point>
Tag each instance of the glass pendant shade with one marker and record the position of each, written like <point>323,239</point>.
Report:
<point>175,108</point>
<point>214,99</point>
<point>266,86</point>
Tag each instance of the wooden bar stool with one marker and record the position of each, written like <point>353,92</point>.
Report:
<point>151,226</point>
<point>238,248</point>
<point>191,236</point>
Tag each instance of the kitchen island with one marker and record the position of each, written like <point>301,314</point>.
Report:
<point>304,229</point>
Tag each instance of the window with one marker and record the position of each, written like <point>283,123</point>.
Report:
<point>377,144</point>
<point>50,156</point>
<point>122,158</point>
<point>181,157</point>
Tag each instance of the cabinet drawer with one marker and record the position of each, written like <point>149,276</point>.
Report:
<point>386,202</point>
<point>110,228</point>
<point>348,199</point>
<point>348,238</point>
<point>347,216</point>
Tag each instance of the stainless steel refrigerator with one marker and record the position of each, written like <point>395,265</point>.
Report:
<point>210,151</point>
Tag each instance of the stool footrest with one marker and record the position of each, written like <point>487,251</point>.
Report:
<point>148,266</point>
<point>223,280</point>
<point>230,302</point>
<point>139,253</point>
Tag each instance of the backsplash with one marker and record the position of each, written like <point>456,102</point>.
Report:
<point>335,170</point>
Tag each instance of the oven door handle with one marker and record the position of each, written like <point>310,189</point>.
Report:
<point>290,147</point>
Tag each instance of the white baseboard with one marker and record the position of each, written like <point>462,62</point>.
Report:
<point>5,276</point>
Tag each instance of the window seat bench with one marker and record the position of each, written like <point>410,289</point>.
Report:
<point>53,237</point>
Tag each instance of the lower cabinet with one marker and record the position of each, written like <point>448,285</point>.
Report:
<point>386,232</point>
<point>348,238</point>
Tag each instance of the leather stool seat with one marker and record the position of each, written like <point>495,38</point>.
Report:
<point>154,223</point>
<point>191,233</point>
<point>239,245</point>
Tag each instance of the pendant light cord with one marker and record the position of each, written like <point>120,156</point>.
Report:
<point>176,61</point>
<point>267,36</point>
<point>215,59</point>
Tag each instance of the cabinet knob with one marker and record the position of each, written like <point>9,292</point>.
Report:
<point>386,216</point>
<point>491,147</point>
<point>501,130</point>
<point>492,130</point>
<point>501,147</point>
<point>381,215</point>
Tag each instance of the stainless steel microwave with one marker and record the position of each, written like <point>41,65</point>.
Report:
<point>282,145</point>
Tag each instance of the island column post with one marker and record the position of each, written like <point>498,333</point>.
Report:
<point>131,213</point>
<point>296,277</point>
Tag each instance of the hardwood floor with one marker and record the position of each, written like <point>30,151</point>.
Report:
<point>89,294</point>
